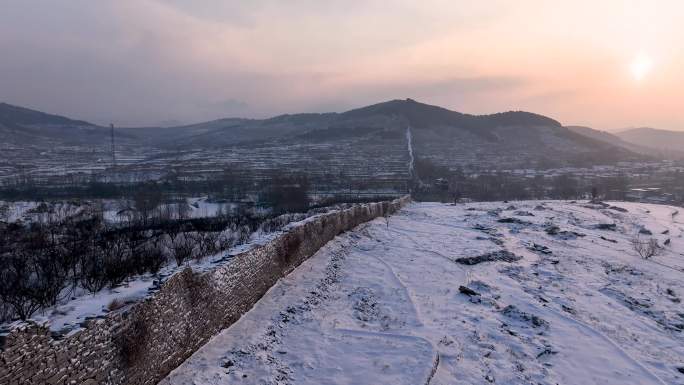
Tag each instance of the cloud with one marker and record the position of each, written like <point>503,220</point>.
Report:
<point>143,61</point>
<point>463,86</point>
<point>138,62</point>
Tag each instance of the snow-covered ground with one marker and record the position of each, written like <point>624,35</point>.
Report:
<point>384,304</point>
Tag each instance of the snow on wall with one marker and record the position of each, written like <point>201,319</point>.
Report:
<point>143,343</point>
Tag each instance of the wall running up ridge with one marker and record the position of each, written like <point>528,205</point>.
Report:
<point>142,344</point>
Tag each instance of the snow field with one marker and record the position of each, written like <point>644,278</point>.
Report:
<point>389,304</point>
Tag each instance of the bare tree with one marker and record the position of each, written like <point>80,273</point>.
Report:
<point>17,289</point>
<point>206,242</point>
<point>117,266</point>
<point>30,280</point>
<point>646,248</point>
<point>146,200</point>
<point>93,277</point>
<point>183,248</point>
<point>182,210</point>
<point>152,257</point>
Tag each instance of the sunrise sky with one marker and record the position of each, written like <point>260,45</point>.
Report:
<point>608,64</point>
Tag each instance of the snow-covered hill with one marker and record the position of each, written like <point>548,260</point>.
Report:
<point>521,293</point>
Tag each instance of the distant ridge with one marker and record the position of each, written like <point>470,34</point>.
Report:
<point>419,115</point>
<point>422,115</point>
<point>513,139</point>
<point>663,139</point>
<point>15,116</point>
<point>641,142</point>
<point>23,126</point>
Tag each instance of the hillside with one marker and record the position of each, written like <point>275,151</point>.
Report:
<point>20,125</point>
<point>515,139</point>
<point>14,116</point>
<point>450,138</point>
<point>535,292</point>
<point>420,115</point>
<point>365,143</point>
<point>388,115</point>
<point>603,136</point>
<point>661,139</point>
<point>633,142</point>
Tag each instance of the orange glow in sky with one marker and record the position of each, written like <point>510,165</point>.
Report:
<point>608,64</point>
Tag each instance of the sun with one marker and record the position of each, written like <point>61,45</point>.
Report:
<point>641,66</point>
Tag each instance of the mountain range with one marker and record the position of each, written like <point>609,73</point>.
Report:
<point>449,138</point>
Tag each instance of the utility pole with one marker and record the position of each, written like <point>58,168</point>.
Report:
<point>113,148</point>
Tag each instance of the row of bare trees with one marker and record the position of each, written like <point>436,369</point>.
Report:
<point>441,183</point>
<point>43,263</point>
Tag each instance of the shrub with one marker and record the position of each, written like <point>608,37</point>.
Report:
<point>646,248</point>
<point>93,277</point>
<point>117,266</point>
<point>19,292</point>
<point>152,258</point>
<point>29,282</point>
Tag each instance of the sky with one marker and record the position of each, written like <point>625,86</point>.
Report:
<point>607,64</point>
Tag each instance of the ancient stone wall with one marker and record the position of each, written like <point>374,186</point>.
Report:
<point>143,343</point>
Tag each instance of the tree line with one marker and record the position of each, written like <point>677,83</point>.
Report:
<point>43,262</point>
<point>440,183</point>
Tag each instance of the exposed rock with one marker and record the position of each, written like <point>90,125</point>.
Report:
<point>496,241</point>
<point>514,221</point>
<point>546,352</point>
<point>227,364</point>
<point>620,209</point>
<point>511,311</point>
<point>564,234</point>
<point>480,227</point>
<point>501,255</point>
<point>494,212</point>
<point>522,213</point>
<point>552,230</point>
<point>540,249</point>
<point>568,309</point>
<point>467,291</point>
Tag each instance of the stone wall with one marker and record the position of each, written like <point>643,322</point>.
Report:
<point>142,344</point>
